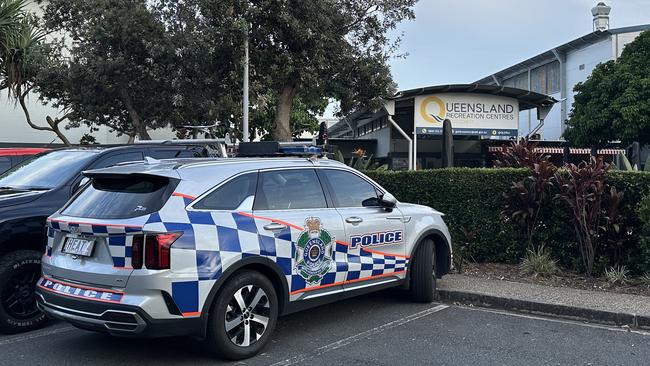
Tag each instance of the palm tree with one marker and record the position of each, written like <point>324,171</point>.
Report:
<point>11,17</point>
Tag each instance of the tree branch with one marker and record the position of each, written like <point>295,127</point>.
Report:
<point>23,105</point>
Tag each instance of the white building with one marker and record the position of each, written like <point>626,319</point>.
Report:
<point>555,72</point>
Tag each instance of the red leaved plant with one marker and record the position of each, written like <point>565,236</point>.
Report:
<point>583,189</point>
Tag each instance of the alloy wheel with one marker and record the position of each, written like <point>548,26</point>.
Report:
<point>18,298</point>
<point>247,315</point>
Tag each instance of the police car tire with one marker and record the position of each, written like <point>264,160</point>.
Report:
<point>217,341</point>
<point>11,264</point>
<point>423,281</point>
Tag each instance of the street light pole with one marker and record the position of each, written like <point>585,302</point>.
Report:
<point>245,106</point>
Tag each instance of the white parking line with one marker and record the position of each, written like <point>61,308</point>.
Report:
<point>29,336</point>
<point>612,328</point>
<point>345,341</point>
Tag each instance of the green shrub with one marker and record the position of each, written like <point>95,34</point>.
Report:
<point>472,198</point>
<point>645,280</point>
<point>643,211</point>
<point>616,275</point>
<point>538,263</point>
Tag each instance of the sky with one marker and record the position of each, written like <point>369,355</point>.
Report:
<point>461,41</point>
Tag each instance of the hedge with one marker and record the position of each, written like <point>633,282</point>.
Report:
<point>472,199</point>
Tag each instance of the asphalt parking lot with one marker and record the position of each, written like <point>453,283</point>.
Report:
<point>380,329</point>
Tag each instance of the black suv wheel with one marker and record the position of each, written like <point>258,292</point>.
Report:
<point>243,316</point>
<point>19,272</point>
<point>423,273</point>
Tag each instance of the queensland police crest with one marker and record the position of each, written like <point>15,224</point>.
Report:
<point>313,251</point>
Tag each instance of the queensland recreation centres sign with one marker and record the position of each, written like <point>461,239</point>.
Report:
<point>470,114</point>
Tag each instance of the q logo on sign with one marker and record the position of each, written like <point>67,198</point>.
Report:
<point>432,109</point>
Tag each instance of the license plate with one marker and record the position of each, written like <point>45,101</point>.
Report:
<point>78,246</point>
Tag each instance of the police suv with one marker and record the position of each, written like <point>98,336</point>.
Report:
<point>220,248</point>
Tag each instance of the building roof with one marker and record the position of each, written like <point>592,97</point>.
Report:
<point>527,99</point>
<point>577,43</point>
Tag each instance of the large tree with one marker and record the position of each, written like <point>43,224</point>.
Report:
<point>614,102</point>
<point>327,48</point>
<point>135,65</point>
<point>114,74</point>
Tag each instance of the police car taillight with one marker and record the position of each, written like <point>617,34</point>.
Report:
<point>137,251</point>
<point>157,249</point>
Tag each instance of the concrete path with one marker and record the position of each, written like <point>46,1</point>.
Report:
<point>605,307</point>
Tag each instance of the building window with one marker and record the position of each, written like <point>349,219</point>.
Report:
<point>546,79</point>
<point>553,79</point>
<point>519,81</point>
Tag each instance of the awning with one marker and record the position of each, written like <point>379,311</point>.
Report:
<point>527,99</point>
<point>560,150</point>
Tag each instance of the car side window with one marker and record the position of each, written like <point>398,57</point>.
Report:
<point>118,158</point>
<point>229,195</point>
<point>289,189</point>
<point>174,153</point>
<point>5,163</point>
<point>350,190</point>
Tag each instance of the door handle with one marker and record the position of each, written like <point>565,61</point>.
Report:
<point>404,219</point>
<point>353,220</point>
<point>275,226</point>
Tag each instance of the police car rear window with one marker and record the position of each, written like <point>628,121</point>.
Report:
<point>120,197</point>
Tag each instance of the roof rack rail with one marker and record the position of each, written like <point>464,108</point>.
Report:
<point>275,148</point>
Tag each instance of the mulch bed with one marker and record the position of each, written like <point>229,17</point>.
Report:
<point>510,272</point>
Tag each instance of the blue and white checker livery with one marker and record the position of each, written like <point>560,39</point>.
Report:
<point>213,241</point>
<point>119,237</point>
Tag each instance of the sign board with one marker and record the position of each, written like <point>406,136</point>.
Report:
<point>469,113</point>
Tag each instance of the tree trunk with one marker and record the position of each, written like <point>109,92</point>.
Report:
<point>54,125</point>
<point>138,125</point>
<point>281,126</point>
<point>55,128</point>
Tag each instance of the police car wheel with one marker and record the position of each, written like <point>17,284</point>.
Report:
<point>422,276</point>
<point>243,316</point>
<point>19,272</point>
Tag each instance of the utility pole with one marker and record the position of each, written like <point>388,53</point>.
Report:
<point>245,112</point>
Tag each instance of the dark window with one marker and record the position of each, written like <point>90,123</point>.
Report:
<point>289,189</point>
<point>350,190</point>
<point>5,163</point>
<point>121,197</point>
<point>231,194</point>
<point>118,158</point>
<point>48,170</point>
<point>174,153</point>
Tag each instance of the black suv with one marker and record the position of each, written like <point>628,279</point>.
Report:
<point>33,190</point>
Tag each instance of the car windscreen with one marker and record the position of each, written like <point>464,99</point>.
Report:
<point>121,197</point>
<point>46,171</point>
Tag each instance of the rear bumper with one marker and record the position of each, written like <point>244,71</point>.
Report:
<point>115,319</point>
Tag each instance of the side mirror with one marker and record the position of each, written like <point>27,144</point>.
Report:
<point>388,201</point>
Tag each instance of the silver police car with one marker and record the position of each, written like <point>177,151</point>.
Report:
<point>220,248</point>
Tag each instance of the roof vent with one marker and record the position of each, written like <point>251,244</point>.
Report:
<point>601,17</point>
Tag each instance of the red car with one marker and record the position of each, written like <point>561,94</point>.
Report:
<point>10,157</point>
